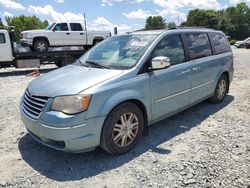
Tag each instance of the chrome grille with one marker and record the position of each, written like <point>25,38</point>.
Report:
<point>33,105</point>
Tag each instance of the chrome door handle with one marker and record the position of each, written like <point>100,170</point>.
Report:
<point>195,68</point>
<point>185,71</point>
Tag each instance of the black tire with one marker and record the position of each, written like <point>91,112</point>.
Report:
<point>97,41</point>
<point>66,61</point>
<point>112,121</point>
<point>221,90</point>
<point>40,45</point>
<point>242,46</point>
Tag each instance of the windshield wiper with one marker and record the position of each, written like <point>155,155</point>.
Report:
<point>97,64</point>
<point>83,64</point>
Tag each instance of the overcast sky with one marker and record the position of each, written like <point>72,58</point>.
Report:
<point>127,15</point>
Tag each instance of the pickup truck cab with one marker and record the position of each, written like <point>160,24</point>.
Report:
<point>123,85</point>
<point>62,34</point>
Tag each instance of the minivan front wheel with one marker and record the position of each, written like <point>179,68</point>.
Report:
<point>220,90</point>
<point>122,128</point>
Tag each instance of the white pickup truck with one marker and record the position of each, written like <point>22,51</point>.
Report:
<point>10,54</point>
<point>62,34</point>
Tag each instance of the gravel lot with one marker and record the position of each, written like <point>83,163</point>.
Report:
<point>204,146</point>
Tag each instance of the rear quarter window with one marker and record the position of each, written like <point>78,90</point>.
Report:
<point>219,43</point>
<point>2,38</point>
<point>198,45</point>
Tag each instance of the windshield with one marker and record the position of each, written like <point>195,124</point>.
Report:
<point>49,27</point>
<point>119,52</point>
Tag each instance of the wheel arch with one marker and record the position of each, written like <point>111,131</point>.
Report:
<point>97,38</point>
<point>226,73</point>
<point>41,38</point>
<point>139,104</point>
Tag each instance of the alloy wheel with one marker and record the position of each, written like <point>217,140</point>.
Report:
<point>222,89</point>
<point>125,129</point>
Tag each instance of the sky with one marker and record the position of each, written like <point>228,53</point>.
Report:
<point>126,15</point>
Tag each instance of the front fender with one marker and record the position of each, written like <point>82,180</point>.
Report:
<point>118,98</point>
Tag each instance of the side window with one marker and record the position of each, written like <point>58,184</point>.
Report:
<point>172,47</point>
<point>220,43</point>
<point>61,27</point>
<point>76,27</point>
<point>2,38</point>
<point>198,45</point>
<point>64,26</point>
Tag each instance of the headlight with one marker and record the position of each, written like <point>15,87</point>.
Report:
<point>24,35</point>
<point>71,104</point>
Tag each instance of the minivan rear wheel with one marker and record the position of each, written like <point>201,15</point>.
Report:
<point>220,90</point>
<point>122,128</point>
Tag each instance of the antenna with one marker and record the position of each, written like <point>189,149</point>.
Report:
<point>85,22</point>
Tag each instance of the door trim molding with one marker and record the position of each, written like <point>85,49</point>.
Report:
<point>182,92</point>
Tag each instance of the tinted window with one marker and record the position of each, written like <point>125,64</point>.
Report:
<point>76,27</point>
<point>2,38</point>
<point>172,47</point>
<point>61,27</point>
<point>198,45</point>
<point>220,43</point>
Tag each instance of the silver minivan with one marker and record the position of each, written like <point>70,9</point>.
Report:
<point>110,95</point>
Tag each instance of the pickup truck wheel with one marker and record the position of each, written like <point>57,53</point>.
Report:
<point>220,90</point>
<point>66,61</point>
<point>242,46</point>
<point>97,41</point>
<point>41,45</point>
<point>122,128</point>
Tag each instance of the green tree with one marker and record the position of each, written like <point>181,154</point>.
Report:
<point>171,25</point>
<point>234,21</point>
<point>204,18</point>
<point>155,22</point>
<point>1,24</point>
<point>22,23</point>
<point>238,21</point>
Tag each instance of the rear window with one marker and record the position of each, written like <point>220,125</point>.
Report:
<point>220,43</point>
<point>198,45</point>
<point>2,38</point>
<point>76,27</point>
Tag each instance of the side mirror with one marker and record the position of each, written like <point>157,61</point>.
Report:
<point>160,62</point>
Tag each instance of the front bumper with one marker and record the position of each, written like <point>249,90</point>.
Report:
<point>238,45</point>
<point>79,138</point>
<point>26,42</point>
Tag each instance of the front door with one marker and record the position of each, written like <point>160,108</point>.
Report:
<point>170,87</point>
<point>60,35</point>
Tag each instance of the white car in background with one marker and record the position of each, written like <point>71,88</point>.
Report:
<point>242,44</point>
<point>62,34</point>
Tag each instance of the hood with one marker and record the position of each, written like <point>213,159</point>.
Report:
<point>69,80</point>
<point>239,42</point>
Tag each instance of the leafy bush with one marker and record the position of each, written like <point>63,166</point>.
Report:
<point>232,42</point>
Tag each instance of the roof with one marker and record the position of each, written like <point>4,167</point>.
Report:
<point>150,31</point>
<point>3,30</point>
<point>179,29</point>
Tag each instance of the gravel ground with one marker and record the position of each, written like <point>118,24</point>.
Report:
<point>204,146</point>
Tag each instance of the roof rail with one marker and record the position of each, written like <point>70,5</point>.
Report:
<point>193,27</point>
